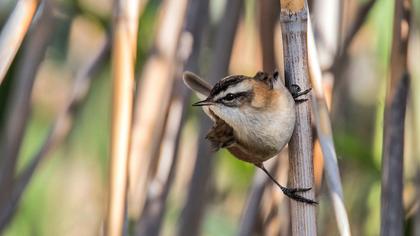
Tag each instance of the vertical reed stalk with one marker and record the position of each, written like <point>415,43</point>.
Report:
<point>392,212</point>
<point>123,60</point>
<point>196,200</point>
<point>187,57</point>
<point>58,130</point>
<point>324,130</point>
<point>19,108</point>
<point>251,210</point>
<point>293,17</point>
<point>268,14</point>
<point>152,101</point>
<point>13,32</point>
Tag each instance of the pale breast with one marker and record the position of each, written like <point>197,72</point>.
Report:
<point>268,131</point>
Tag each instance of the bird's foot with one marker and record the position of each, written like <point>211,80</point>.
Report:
<point>292,193</point>
<point>297,92</point>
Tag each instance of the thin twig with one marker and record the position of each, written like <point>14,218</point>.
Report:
<point>252,207</point>
<point>268,15</point>
<point>275,207</point>
<point>187,57</point>
<point>59,129</point>
<point>324,130</point>
<point>19,108</point>
<point>152,102</point>
<point>361,17</point>
<point>326,15</point>
<point>195,203</point>
<point>151,220</point>
<point>416,230</point>
<point>56,130</point>
<point>14,31</point>
<point>342,53</point>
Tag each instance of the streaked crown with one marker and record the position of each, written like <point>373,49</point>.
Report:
<point>236,89</point>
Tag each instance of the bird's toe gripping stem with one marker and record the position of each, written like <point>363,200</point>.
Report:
<point>297,92</point>
<point>292,193</point>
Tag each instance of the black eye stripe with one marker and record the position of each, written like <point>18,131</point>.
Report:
<point>231,96</point>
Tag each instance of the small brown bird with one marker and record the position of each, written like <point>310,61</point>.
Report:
<point>254,117</point>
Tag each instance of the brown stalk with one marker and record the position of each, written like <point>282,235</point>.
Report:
<point>268,14</point>
<point>361,16</point>
<point>323,123</point>
<point>326,14</point>
<point>392,213</point>
<point>14,31</point>
<point>151,220</point>
<point>187,57</point>
<point>324,131</point>
<point>152,103</point>
<point>18,108</point>
<point>416,217</point>
<point>58,130</point>
<point>124,48</point>
<point>251,210</point>
<point>293,17</point>
<point>276,208</point>
<point>195,202</point>
<point>318,164</point>
<point>354,28</point>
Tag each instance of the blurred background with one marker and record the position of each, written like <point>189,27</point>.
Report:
<point>59,86</point>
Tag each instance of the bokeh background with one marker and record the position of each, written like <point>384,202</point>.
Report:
<point>67,194</point>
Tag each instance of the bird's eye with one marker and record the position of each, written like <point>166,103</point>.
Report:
<point>229,97</point>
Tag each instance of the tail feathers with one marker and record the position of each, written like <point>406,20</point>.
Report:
<point>198,85</point>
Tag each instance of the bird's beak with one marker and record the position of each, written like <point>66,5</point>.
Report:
<point>206,102</point>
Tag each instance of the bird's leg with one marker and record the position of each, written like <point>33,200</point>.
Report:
<point>296,92</point>
<point>290,192</point>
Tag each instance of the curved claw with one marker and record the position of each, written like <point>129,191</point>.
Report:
<point>298,190</point>
<point>291,193</point>
<point>296,91</point>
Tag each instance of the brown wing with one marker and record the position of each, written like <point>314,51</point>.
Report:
<point>221,135</point>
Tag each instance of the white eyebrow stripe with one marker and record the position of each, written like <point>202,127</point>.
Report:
<point>237,88</point>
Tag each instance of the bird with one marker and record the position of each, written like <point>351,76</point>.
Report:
<point>254,117</point>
